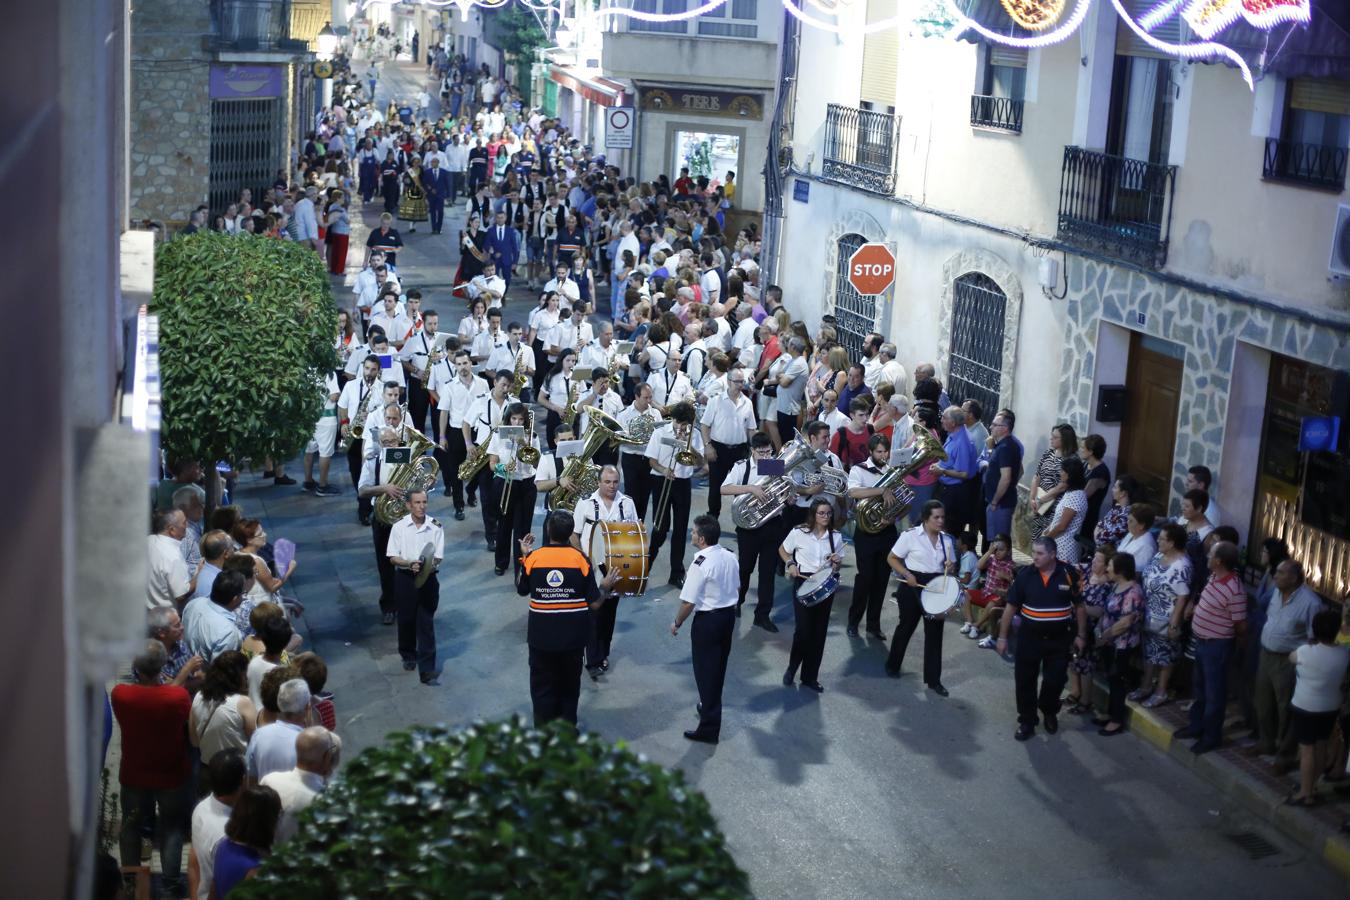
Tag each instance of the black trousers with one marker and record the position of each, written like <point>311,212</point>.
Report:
<point>711,636</point>
<point>416,610</point>
<point>808,637</point>
<point>605,456</point>
<point>354,462</point>
<point>488,500</point>
<point>961,504</point>
<point>911,614</point>
<point>555,684</point>
<point>602,631</point>
<point>727,456</point>
<point>436,212</point>
<point>1042,654</point>
<point>869,590</point>
<point>450,460</point>
<point>418,403</point>
<point>379,532</point>
<point>637,476</point>
<point>677,508</point>
<point>1117,665</point>
<point>514,523</point>
<point>759,547</point>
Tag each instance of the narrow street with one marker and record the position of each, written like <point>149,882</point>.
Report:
<point>876,788</point>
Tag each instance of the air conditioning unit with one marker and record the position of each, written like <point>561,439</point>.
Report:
<point>1340,243</point>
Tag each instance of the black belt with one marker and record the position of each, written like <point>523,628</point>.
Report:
<point>728,446</point>
<point>719,609</point>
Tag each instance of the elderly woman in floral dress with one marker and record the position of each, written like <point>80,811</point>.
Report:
<point>1167,584</point>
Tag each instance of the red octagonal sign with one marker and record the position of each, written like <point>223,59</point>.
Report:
<point>871,269</point>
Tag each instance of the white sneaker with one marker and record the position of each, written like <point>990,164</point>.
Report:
<point>973,633</point>
<point>965,629</point>
<point>988,643</point>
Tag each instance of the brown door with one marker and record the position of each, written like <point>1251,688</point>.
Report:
<point>1153,400</point>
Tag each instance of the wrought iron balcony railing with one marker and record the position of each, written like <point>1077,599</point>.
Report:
<point>1314,165</point>
<point>860,148</point>
<point>248,25</point>
<point>1002,113</point>
<point>1120,206</point>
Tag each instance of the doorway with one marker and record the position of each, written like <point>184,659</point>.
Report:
<point>708,154</point>
<point>1153,402</point>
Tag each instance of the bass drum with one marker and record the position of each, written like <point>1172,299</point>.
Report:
<point>622,547</point>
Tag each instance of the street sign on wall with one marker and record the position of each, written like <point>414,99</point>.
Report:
<point>871,269</point>
<point>619,127</point>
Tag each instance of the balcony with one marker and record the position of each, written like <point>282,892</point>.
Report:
<point>998,113</point>
<point>253,26</point>
<point>1310,165</point>
<point>1118,206</point>
<point>860,148</point>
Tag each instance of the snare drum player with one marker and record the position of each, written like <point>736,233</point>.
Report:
<point>756,546</point>
<point>416,605</point>
<point>562,593</point>
<point>1049,595</point>
<point>809,548</point>
<point>921,554</point>
<point>607,504</point>
<point>709,595</point>
<point>874,573</point>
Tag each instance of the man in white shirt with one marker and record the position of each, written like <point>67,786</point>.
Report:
<point>272,747</point>
<point>600,352</point>
<point>317,751</point>
<point>359,396</point>
<point>457,154</point>
<point>711,279</point>
<point>872,362</point>
<point>606,504</point>
<point>891,371</point>
<point>562,283</point>
<point>670,385</point>
<point>416,604</point>
<point>603,397</point>
<point>695,350</point>
<point>454,400</point>
<point>487,341</point>
<point>396,326</point>
<point>671,483</point>
<point>508,355</point>
<point>744,338</point>
<point>169,583</point>
<point>791,388</point>
<point>632,459</point>
<point>627,241</point>
<point>226,774</point>
<point>728,423</point>
<point>324,442</point>
<point>390,368</point>
<point>709,595</point>
<point>572,332</point>
<point>489,286</point>
<point>485,414</point>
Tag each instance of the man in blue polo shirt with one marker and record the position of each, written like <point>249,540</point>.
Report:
<point>956,473</point>
<point>1002,475</point>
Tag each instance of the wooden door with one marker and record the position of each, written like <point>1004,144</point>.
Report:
<point>1153,400</point>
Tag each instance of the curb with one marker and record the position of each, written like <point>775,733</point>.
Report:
<point>1314,836</point>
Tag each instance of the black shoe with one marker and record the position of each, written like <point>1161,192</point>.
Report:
<point>892,673</point>
<point>1024,732</point>
<point>789,678</point>
<point>851,631</point>
<point>492,546</point>
<point>446,492</point>
<point>1111,732</point>
<point>677,580</point>
<point>766,623</point>
<point>595,672</point>
<point>815,686</point>
<point>459,515</point>
<point>1202,746</point>
<point>941,691</point>
<point>283,480</point>
<point>701,738</point>
<point>409,665</point>
<point>1051,723</point>
<point>430,680</point>
<point>1186,733</point>
<point>364,520</point>
<point>499,570</point>
<point>309,484</point>
<point>876,633</point>
<point>471,501</point>
<point>327,490</point>
<point>267,473</point>
<point>387,618</point>
<point>604,666</point>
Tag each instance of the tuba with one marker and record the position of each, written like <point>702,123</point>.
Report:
<point>748,511</point>
<point>585,475</point>
<point>419,475</point>
<point>876,513</point>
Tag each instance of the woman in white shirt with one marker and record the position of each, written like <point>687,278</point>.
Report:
<point>556,391</point>
<point>542,320</point>
<point>1138,540</point>
<point>1319,669</point>
<point>516,507</point>
<point>1070,511</point>
<point>921,554</point>
<point>808,548</point>
<point>474,324</point>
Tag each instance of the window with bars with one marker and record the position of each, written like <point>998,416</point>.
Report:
<point>739,19</point>
<point>668,7</point>
<point>975,367</point>
<point>855,315</point>
<point>248,142</point>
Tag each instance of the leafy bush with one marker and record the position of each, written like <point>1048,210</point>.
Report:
<point>500,809</point>
<point>246,328</point>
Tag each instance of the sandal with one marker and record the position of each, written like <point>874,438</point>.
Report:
<point>1139,694</point>
<point>1305,802</point>
<point>1079,709</point>
<point>1157,700</point>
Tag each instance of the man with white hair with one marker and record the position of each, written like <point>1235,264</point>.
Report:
<point>891,371</point>
<point>169,582</point>
<point>744,337</point>
<point>272,747</point>
<point>190,500</point>
<point>925,371</point>
<point>306,218</point>
<point>317,751</point>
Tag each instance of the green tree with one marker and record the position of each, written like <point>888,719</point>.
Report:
<point>502,810</point>
<point>520,32</point>
<point>246,328</point>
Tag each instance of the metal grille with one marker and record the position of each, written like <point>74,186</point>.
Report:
<point>1122,205</point>
<point>1309,164</point>
<point>854,314</point>
<point>860,148</point>
<point>1003,113</point>
<point>1253,844</point>
<point>248,142</point>
<point>976,364</point>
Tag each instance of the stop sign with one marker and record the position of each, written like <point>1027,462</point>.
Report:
<point>871,269</point>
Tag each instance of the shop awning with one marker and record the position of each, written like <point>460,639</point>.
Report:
<point>595,88</point>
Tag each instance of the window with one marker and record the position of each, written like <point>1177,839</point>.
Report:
<point>1314,135</point>
<point>855,316</point>
<point>880,59</point>
<point>975,368</point>
<point>1142,96</point>
<point>248,138</point>
<point>1005,72</point>
<point>669,7</point>
<point>746,11</point>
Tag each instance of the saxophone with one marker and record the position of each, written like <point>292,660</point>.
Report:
<point>419,475</point>
<point>748,511</point>
<point>585,475</point>
<point>876,513</point>
<point>520,378</point>
<point>357,427</point>
<point>573,395</point>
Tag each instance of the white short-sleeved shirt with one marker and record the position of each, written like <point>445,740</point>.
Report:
<point>406,538</point>
<point>470,328</point>
<point>809,549</point>
<point>608,402</point>
<point>417,350</point>
<point>664,454</point>
<point>864,475</point>
<point>483,415</point>
<point>503,358</point>
<point>481,283</point>
<point>208,827</point>
<point>627,415</point>
<point>594,356</point>
<point>799,475</point>
<point>542,320</point>
<point>729,420</point>
<point>168,578</point>
<point>568,335</point>
<point>1319,669</point>
<point>505,450</point>
<point>559,386</point>
<point>669,388</point>
<point>456,398</point>
<point>297,790</point>
<point>396,327</point>
<point>713,580</point>
<point>484,343</point>
<point>789,399</point>
<point>593,509</point>
<point>921,555</point>
<point>743,473</point>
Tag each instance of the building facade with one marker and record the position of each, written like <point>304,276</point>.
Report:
<point>1091,232</point>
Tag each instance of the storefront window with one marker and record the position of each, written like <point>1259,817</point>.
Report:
<point>708,154</point>
<point>1314,481</point>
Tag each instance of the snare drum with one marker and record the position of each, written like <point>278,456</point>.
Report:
<point>818,588</point>
<point>941,595</point>
<point>623,548</point>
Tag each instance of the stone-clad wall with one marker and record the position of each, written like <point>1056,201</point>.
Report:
<point>1207,325</point>
<point>170,109</point>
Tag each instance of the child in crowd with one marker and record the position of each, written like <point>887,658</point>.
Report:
<point>998,569</point>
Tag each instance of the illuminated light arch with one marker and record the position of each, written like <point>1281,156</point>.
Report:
<point>1034,15</point>
<point>1186,51</point>
<point>1068,27</point>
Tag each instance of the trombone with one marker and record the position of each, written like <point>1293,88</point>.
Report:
<point>527,453</point>
<point>684,456</point>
